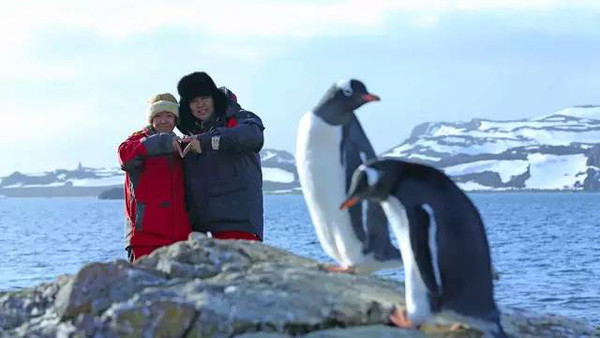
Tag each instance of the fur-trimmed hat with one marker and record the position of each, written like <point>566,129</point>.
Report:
<point>196,84</point>
<point>162,102</point>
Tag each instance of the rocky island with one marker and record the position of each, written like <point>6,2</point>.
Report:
<point>210,288</point>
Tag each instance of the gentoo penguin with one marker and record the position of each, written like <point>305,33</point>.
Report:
<point>444,246</point>
<point>330,145</point>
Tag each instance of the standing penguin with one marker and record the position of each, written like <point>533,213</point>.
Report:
<point>444,246</point>
<point>330,145</point>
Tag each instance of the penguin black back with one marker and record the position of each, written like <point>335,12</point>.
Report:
<point>463,249</point>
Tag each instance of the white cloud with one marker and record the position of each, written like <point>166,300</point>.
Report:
<point>46,120</point>
<point>425,21</point>
<point>121,19</point>
<point>24,70</point>
<point>474,5</point>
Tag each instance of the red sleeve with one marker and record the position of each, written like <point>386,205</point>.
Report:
<point>132,150</point>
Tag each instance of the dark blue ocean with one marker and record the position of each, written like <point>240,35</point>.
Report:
<point>546,246</point>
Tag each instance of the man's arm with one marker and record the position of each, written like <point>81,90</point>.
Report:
<point>247,136</point>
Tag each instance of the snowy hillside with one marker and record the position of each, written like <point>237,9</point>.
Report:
<point>279,176</point>
<point>279,172</point>
<point>560,151</point>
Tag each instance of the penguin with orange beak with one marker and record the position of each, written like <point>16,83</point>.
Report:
<point>442,240</point>
<point>330,145</point>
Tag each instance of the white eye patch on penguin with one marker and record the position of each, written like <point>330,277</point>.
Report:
<point>346,87</point>
<point>372,176</point>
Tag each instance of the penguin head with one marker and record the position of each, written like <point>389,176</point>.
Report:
<point>340,101</point>
<point>373,181</point>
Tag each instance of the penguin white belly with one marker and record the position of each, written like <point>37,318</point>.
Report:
<point>323,182</point>
<point>417,301</point>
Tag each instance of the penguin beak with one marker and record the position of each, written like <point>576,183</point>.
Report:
<point>349,203</point>
<point>370,98</point>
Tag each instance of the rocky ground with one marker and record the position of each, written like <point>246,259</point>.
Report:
<point>208,288</point>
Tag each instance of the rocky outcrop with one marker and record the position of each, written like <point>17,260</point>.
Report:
<point>208,288</point>
<point>112,194</point>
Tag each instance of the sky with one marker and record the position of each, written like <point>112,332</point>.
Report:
<point>76,76</point>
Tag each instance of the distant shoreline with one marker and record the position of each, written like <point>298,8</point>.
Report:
<point>96,193</point>
<point>531,191</point>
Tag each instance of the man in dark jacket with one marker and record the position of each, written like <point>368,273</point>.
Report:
<point>223,175</point>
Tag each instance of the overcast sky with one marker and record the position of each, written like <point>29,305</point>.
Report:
<point>75,76</point>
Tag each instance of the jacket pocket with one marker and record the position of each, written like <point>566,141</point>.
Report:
<point>159,219</point>
<point>228,201</point>
<point>140,210</point>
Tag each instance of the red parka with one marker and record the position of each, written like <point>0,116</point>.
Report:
<point>154,190</point>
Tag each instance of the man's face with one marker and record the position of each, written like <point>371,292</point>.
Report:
<point>163,122</point>
<point>202,107</point>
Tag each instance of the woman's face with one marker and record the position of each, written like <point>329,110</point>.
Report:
<point>202,107</point>
<point>164,122</point>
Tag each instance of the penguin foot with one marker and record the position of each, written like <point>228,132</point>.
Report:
<point>457,327</point>
<point>339,269</point>
<point>400,319</point>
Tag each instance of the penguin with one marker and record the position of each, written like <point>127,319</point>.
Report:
<point>442,240</point>
<point>330,145</point>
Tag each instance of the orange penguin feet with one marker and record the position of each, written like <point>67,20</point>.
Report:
<point>400,319</point>
<point>340,269</point>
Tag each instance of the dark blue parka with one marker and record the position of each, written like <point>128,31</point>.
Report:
<point>224,182</point>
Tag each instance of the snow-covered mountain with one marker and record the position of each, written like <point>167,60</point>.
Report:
<point>279,172</point>
<point>560,151</point>
<point>279,176</point>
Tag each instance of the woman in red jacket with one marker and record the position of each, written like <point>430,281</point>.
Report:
<point>154,188</point>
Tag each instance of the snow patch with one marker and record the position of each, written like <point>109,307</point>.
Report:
<point>468,186</point>
<point>277,175</point>
<point>281,192</point>
<point>423,157</point>
<point>555,171</point>
<point>98,182</point>
<point>22,185</point>
<point>445,130</point>
<point>592,112</point>
<point>267,155</point>
<point>507,169</point>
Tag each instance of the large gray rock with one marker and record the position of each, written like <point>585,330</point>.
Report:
<point>209,288</point>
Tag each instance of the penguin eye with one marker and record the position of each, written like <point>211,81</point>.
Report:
<point>346,87</point>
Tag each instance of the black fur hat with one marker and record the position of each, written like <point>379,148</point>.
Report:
<point>196,84</point>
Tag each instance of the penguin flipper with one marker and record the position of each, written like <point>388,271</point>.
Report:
<point>378,234</point>
<point>419,225</point>
<point>370,225</point>
<point>355,148</point>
